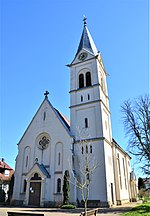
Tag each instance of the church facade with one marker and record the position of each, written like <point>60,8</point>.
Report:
<point>51,144</point>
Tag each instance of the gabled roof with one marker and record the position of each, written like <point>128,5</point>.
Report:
<point>43,170</point>
<point>40,168</point>
<point>86,42</point>
<point>4,165</point>
<point>64,121</point>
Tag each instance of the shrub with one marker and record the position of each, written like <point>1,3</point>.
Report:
<point>69,206</point>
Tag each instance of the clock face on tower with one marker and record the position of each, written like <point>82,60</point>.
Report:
<point>82,56</point>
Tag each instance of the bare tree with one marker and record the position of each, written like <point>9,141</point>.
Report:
<point>136,118</point>
<point>85,163</point>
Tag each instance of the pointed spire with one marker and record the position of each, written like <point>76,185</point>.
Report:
<point>86,41</point>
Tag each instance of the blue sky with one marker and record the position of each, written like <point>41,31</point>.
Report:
<point>40,37</point>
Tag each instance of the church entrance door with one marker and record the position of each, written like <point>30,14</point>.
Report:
<point>35,193</point>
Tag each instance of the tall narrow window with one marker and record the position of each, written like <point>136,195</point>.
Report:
<point>27,161</point>
<point>88,79</point>
<point>124,171</point>
<point>119,170</point>
<point>86,122</point>
<point>58,185</point>
<point>59,158</point>
<point>86,149</point>
<point>81,98</point>
<point>91,149</point>
<point>44,117</point>
<point>81,81</point>
<point>88,97</point>
<point>82,149</point>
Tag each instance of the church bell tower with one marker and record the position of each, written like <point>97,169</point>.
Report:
<point>89,111</point>
<point>89,105</point>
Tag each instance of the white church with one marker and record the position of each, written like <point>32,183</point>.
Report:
<point>52,144</point>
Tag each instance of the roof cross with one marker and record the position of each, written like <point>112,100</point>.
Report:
<point>84,20</point>
<point>46,94</point>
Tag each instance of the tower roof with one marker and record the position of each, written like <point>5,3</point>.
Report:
<point>86,41</point>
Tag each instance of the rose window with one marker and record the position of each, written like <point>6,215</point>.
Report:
<point>43,143</point>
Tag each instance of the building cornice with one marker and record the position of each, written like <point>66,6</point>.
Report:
<point>88,87</point>
<point>70,65</point>
<point>94,139</point>
<point>90,102</point>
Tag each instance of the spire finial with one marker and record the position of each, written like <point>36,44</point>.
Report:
<point>46,94</point>
<point>84,20</point>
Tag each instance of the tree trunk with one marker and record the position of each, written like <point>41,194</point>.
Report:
<point>85,207</point>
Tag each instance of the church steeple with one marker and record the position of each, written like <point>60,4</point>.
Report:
<point>86,41</point>
<point>89,105</point>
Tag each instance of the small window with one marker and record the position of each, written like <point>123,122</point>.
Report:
<point>6,173</point>
<point>81,98</point>
<point>44,116</point>
<point>36,177</point>
<point>86,122</point>
<point>82,150</point>
<point>58,185</point>
<point>91,149</point>
<point>81,81</point>
<point>88,79</point>
<point>88,97</point>
<point>86,149</point>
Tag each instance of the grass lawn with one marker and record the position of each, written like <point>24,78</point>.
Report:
<point>143,209</point>
<point>147,198</point>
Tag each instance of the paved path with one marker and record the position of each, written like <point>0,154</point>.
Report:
<point>118,210</point>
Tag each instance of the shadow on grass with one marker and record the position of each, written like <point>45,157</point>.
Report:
<point>144,208</point>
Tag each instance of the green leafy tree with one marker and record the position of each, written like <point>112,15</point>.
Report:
<point>66,188</point>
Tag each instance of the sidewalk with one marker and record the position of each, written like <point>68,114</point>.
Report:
<point>117,210</point>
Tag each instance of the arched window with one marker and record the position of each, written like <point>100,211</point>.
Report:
<point>36,177</point>
<point>58,185</point>
<point>81,98</point>
<point>88,79</point>
<point>81,81</point>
